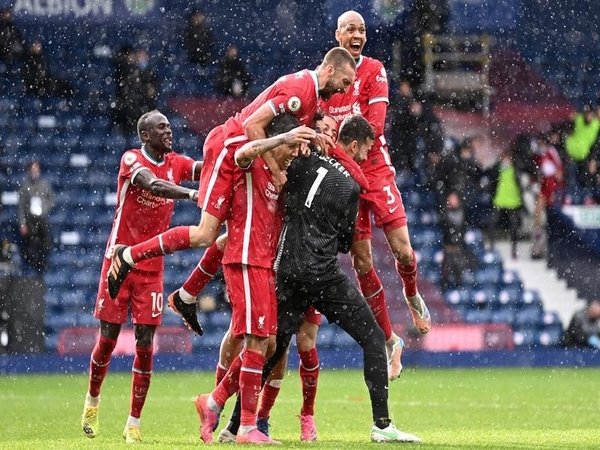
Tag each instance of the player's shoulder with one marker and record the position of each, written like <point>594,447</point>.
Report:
<point>131,156</point>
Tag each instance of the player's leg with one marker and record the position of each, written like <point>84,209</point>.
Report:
<point>343,304</point>
<point>372,289</point>
<point>306,340</point>
<point>141,375</point>
<point>270,392</point>
<point>99,362</point>
<point>183,300</point>
<point>406,265</point>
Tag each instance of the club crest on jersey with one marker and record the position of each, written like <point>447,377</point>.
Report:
<point>129,158</point>
<point>356,87</point>
<point>261,322</point>
<point>219,203</point>
<point>294,104</point>
<point>170,176</point>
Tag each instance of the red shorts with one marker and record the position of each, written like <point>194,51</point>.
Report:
<point>383,200</point>
<point>313,316</point>
<point>251,292</point>
<point>141,292</point>
<point>216,178</point>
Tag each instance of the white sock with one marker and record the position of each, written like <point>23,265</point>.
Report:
<point>186,297</point>
<point>91,401</point>
<point>127,256</point>
<point>135,421</point>
<point>245,429</point>
<point>214,406</point>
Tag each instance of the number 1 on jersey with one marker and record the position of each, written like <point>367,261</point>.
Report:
<point>321,172</point>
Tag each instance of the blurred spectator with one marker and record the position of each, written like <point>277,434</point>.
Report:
<point>423,16</point>
<point>584,328</point>
<point>581,140</point>
<point>458,171</point>
<point>198,39</point>
<point>36,200</point>
<point>137,88</point>
<point>551,185</point>
<point>11,41</point>
<point>457,258</point>
<point>415,131</point>
<point>506,200</point>
<point>232,78</point>
<point>37,77</point>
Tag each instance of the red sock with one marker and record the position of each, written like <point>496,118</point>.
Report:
<point>371,287</point>
<point>204,271</point>
<point>309,374</point>
<point>408,274</point>
<point>230,383</point>
<point>250,381</point>
<point>142,371</point>
<point>170,241</point>
<point>99,362</point>
<point>268,396</point>
<point>220,374</point>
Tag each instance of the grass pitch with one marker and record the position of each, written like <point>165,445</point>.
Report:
<point>453,408</point>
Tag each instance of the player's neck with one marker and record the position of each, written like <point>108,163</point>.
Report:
<point>152,153</point>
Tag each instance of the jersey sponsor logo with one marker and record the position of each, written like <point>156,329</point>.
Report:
<point>129,158</point>
<point>383,76</point>
<point>261,322</point>
<point>271,192</point>
<point>356,88</point>
<point>150,200</point>
<point>294,104</point>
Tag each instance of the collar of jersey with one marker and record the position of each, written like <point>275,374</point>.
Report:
<point>150,158</point>
<point>360,60</point>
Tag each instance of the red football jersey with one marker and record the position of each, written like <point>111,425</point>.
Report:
<point>140,214</point>
<point>370,86</point>
<point>296,94</point>
<point>255,219</point>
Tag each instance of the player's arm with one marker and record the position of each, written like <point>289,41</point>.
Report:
<point>162,188</point>
<point>196,169</point>
<point>253,149</point>
<point>376,116</point>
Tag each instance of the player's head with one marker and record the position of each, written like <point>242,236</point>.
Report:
<point>356,136</point>
<point>338,71</point>
<point>326,125</point>
<point>285,153</point>
<point>351,33</point>
<point>154,130</point>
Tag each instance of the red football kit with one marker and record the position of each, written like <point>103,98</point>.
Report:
<point>369,97</point>
<point>253,229</point>
<point>140,215</point>
<point>296,94</point>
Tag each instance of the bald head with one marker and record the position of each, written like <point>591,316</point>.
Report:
<point>349,17</point>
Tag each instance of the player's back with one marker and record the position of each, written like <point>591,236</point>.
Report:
<point>320,209</point>
<point>295,94</point>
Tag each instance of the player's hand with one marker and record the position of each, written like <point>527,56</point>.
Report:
<point>193,195</point>
<point>323,143</point>
<point>300,135</point>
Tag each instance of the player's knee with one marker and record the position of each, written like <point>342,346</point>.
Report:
<point>404,254</point>
<point>362,262</point>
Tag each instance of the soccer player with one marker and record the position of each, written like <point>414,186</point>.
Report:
<point>298,94</point>
<point>253,228</point>
<point>147,184</point>
<point>321,204</point>
<point>369,97</point>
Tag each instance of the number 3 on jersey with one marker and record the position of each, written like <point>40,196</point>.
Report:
<point>321,172</point>
<point>388,190</point>
<point>157,303</point>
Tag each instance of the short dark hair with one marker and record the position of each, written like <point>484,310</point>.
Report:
<point>355,128</point>
<point>281,123</point>
<point>143,122</point>
<point>338,56</point>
